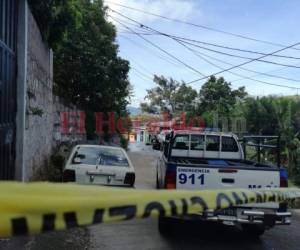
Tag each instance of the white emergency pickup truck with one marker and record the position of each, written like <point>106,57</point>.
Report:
<point>213,160</point>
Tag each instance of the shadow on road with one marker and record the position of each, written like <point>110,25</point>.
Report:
<point>193,234</point>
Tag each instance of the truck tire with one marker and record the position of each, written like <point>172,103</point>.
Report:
<point>253,231</point>
<point>164,226</point>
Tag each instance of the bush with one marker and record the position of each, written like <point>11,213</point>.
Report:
<point>296,170</point>
<point>51,171</point>
<point>124,143</point>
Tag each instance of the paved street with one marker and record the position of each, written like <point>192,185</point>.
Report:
<point>143,234</point>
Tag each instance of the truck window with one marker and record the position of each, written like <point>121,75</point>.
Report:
<point>212,143</point>
<point>197,142</point>
<point>181,142</point>
<point>229,144</point>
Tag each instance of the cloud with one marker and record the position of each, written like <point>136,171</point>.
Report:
<point>180,9</point>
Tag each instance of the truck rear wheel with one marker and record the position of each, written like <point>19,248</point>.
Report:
<point>253,231</point>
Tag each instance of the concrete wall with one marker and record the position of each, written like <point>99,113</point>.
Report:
<point>21,87</point>
<point>59,106</point>
<point>38,118</point>
<point>39,99</point>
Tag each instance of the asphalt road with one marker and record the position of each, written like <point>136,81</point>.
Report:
<point>143,234</point>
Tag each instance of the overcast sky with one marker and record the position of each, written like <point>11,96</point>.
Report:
<point>276,21</point>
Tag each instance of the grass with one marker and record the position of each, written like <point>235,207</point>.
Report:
<point>292,184</point>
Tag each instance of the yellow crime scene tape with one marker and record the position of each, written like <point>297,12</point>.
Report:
<point>33,208</point>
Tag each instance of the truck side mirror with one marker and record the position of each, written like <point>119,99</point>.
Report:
<point>168,137</point>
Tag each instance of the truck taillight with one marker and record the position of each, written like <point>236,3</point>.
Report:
<point>170,180</point>
<point>129,179</point>
<point>283,182</point>
<point>69,175</point>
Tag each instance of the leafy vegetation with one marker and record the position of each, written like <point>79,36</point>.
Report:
<point>169,95</point>
<point>217,95</point>
<point>87,69</point>
<point>55,17</point>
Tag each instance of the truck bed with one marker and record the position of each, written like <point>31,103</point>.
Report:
<point>226,163</point>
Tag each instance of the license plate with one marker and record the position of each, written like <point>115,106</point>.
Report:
<point>190,178</point>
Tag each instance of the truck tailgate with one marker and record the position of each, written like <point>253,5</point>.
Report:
<point>201,178</point>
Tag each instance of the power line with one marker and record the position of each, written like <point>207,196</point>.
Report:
<point>205,48</point>
<point>152,52</point>
<point>245,77</point>
<point>169,60</point>
<point>244,63</point>
<point>141,73</point>
<point>251,59</point>
<point>221,46</point>
<point>249,70</point>
<point>128,32</point>
<point>243,57</point>
<point>141,76</point>
<point>159,48</point>
<point>142,67</point>
<point>201,26</point>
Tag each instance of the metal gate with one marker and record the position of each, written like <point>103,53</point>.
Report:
<point>8,33</point>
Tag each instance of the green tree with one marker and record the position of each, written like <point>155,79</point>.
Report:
<point>147,108</point>
<point>163,95</point>
<point>185,98</point>
<point>169,95</point>
<point>269,115</point>
<point>87,69</point>
<point>216,95</point>
<point>55,17</point>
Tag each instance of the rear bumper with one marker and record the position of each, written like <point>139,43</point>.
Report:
<point>252,216</point>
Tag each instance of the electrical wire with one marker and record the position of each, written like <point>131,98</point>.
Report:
<point>244,63</point>
<point>243,77</point>
<point>141,73</point>
<point>221,46</point>
<point>152,52</point>
<point>201,26</point>
<point>216,51</point>
<point>159,48</point>
<point>223,70</point>
<point>257,73</point>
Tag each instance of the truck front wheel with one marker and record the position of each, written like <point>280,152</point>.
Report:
<point>165,226</point>
<point>253,231</point>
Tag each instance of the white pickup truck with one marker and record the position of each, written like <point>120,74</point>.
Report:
<point>212,160</point>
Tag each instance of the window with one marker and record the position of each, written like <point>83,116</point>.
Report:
<point>229,144</point>
<point>181,142</point>
<point>87,156</point>
<point>197,142</point>
<point>212,142</point>
<point>112,157</point>
<point>101,156</point>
